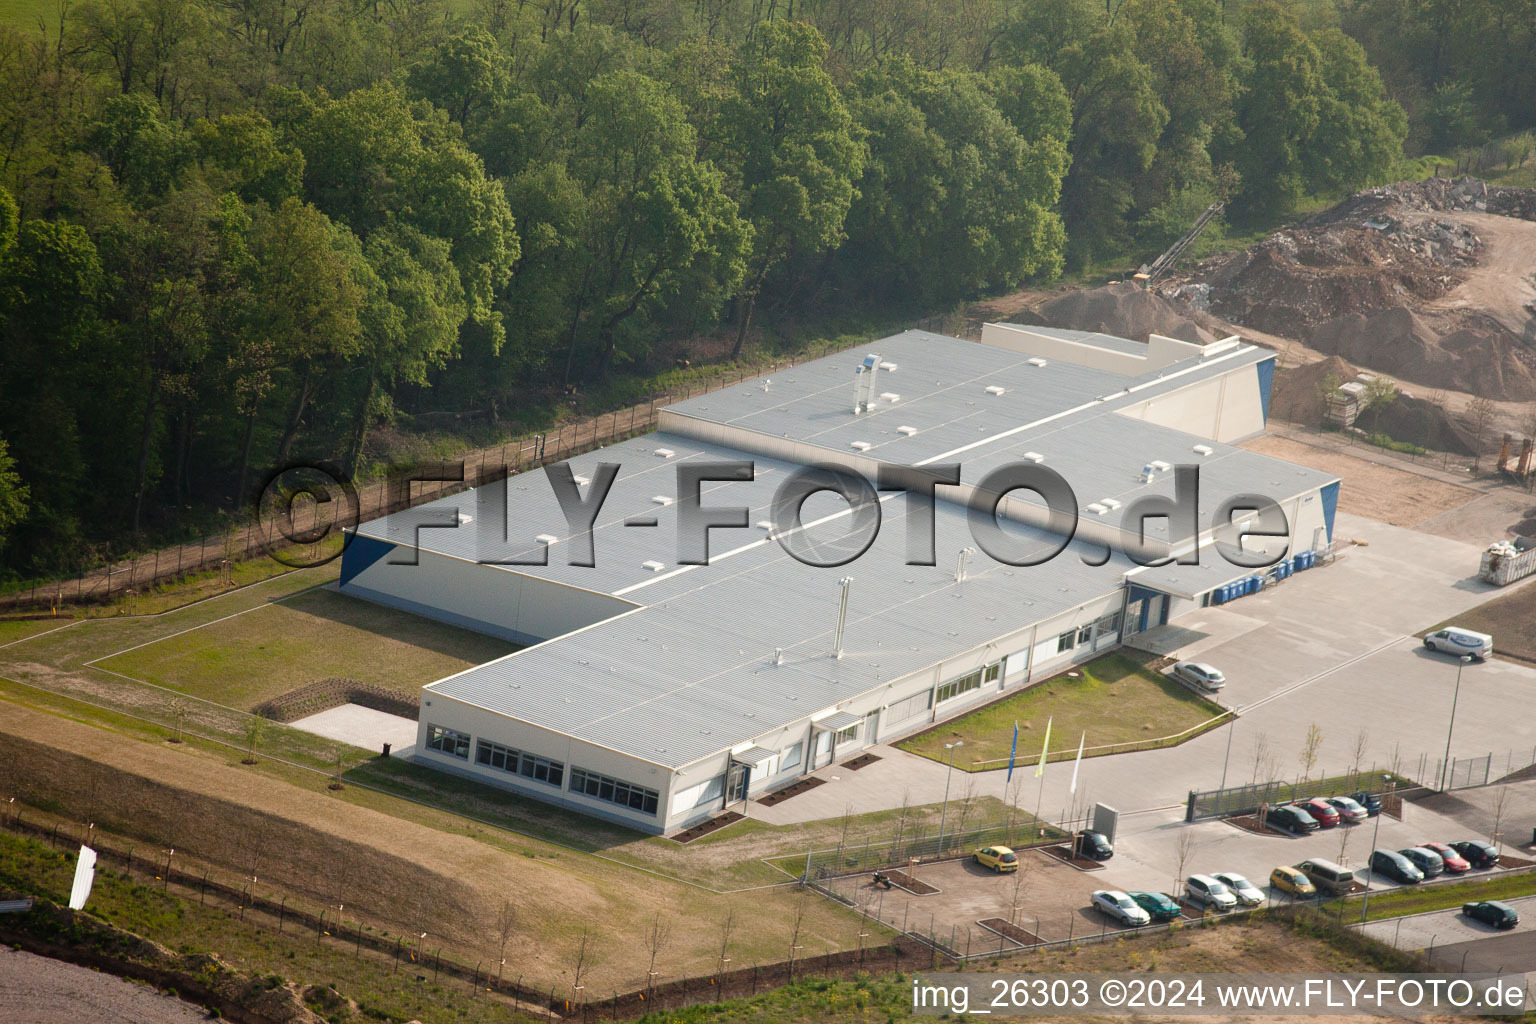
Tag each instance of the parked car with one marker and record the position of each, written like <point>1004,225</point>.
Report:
<point>1248,894</point>
<point>1198,673</point>
<point>1095,845</point>
<point>1460,642</point>
<point>1426,860</point>
<point>1330,878</point>
<point>1454,862</point>
<point>999,858</point>
<point>1292,880</point>
<point>1322,810</point>
<point>1478,853</point>
<point>1207,891</point>
<point>1370,801</point>
<point>1159,906</point>
<point>1500,915</point>
<point>1292,819</point>
<point>1349,809</point>
<point>1121,907</point>
<point>1393,865</point>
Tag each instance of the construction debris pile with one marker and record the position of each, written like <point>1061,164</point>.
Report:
<point>1126,310</point>
<point>1365,279</point>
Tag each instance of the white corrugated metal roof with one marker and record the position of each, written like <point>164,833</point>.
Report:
<point>693,672</point>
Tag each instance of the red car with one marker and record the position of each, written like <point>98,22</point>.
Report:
<point>1322,810</point>
<point>1455,863</point>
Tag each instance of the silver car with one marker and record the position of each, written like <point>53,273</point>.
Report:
<point>1208,891</point>
<point>1120,907</point>
<point>1248,894</point>
<point>1198,673</point>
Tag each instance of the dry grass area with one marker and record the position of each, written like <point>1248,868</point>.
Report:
<point>1510,619</point>
<point>1382,493</point>
<point>251,658</point>
<point>401,866</point>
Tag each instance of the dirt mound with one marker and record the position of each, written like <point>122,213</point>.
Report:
<point>1481,358</point>
<point>1302,277</point>
<point>1298,392</point>
<point>1126,311</point>
<point>1368,280</point>
<point>1298,398</point>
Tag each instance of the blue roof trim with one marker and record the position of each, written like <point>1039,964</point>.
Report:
<point>360,553</point>
<point>1266,383</point>
<point>1330,505</point>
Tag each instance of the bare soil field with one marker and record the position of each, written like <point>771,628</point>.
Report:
<point>1377,492</point>
<point>36,990</point>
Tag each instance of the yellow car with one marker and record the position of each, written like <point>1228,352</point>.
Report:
<point>998,858</point>
<point>1292,880</point>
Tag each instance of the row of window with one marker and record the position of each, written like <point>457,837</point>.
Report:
<point>1104,625</point>
<point>625,794</point>
<point>968,682</point>
<point>530,766</point>
<point>446,741</point>
<point>542,769</point>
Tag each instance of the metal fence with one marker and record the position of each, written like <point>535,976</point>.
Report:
<point>378,497</point>
<point>1216,803</point>
<point>871,853</point>
<point>1483,770</point>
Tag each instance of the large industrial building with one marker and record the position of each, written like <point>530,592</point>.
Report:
<point>655,693</point>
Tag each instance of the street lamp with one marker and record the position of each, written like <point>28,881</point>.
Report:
<point>1445,765</point>
<point>1231,728</point>
<point>944,813</point>
<point>1370,868</point>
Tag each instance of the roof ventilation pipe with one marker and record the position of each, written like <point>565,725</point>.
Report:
<point>864,384</point>
<point>842,616</point>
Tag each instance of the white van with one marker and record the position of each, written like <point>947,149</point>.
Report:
<point>1453,640</point>
<point>1328,876</point>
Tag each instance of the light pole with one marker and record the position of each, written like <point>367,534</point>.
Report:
<point>1231,728</point>
<point>1370,868</point>
<point>944,813</point>
<point>1445,766</point>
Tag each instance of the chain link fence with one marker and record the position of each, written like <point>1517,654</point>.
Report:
<point>1246,799</point>
<point>380,496</point>
<point>1484,770</point>
<point>872,853</point>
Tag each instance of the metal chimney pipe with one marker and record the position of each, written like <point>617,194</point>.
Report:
<point>842,616</point>
<point>965,554</point>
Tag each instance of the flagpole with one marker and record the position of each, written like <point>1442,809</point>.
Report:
<point>1040,772</point>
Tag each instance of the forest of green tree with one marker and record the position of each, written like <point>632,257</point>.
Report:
<point>235,232</point>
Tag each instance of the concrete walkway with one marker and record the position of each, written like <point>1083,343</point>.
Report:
<point>362,727</point>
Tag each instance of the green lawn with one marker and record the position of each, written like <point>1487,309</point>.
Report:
<point>19,629</point>
<point>257,655</point>
<point>1421,899</point>
<point>1113,700</point>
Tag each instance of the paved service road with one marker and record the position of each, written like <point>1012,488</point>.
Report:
<point>36,990</point>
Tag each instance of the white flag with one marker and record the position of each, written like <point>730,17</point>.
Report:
<point>1078,763</point>
<point>85,875</point>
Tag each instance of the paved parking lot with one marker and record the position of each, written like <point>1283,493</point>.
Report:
<point>1053,900</point>
<point>1445,929</point>
<point>1332,646</point>
<point>1147,848</point>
